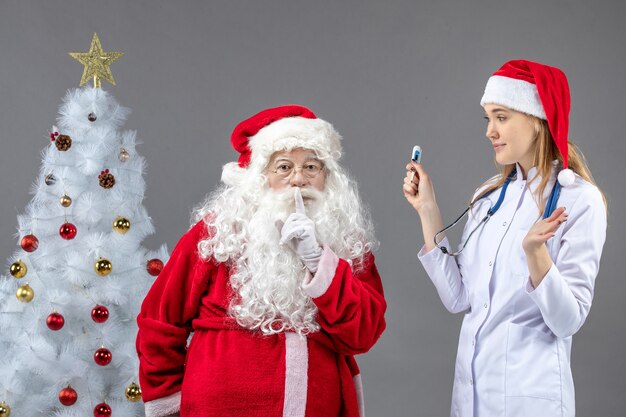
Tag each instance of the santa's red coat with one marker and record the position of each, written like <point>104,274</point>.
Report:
<point>229,371</point>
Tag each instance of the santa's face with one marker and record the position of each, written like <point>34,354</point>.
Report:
<point>296,168</point>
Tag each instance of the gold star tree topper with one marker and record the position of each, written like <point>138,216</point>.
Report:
<point>96,63</point>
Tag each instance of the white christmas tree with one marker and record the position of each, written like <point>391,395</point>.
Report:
<point>68,305</point>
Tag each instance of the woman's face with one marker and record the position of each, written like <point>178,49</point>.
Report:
<point>512,135</point>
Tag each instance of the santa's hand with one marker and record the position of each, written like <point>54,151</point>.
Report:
<point>298,233</point>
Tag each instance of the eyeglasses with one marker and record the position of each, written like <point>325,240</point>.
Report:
<point>309,170</point>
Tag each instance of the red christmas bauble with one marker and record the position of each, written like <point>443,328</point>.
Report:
<point>102,410</point>
<point>154,266</point>
<point>103,356</point>
<point>67,231</point>
<point>68,396</point>
<point>29,243</point>
<point>55,321</point>
<point>100,314</point>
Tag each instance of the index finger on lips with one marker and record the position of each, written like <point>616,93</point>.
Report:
<point>299,201</point>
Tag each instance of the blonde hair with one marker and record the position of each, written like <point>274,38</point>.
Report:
<point>545,152</point>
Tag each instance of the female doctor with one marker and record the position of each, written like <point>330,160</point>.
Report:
<point>524,270</point>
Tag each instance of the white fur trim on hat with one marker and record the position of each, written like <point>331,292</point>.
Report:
<point>515,94</point>
<point>295,132</point>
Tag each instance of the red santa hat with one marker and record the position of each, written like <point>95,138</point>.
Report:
<point>276,129</point>
<point>538,90</point>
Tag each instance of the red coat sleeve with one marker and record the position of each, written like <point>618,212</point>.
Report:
<point>166,313</point>
<point>351,305</point>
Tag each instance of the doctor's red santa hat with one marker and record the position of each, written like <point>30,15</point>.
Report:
<point>279,129</point>
<point>538,90</point>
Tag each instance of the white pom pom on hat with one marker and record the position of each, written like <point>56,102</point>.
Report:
<point>566,177</point>
<point>541,91</point>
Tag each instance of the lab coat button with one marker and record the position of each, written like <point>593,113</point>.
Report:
<point>504,224</point>
<point>485,305</point>
<point>490,263</point>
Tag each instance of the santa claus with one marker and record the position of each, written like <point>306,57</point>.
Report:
<point>276,281</point>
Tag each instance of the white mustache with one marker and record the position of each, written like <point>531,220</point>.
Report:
<point>286,195</point>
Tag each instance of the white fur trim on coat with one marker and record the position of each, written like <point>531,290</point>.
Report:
<point>358,386</point>
<point>165,406</point>
<point>296,375</point>
<point>317,285</point>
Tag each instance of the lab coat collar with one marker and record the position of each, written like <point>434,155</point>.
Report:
<point>533,179</point>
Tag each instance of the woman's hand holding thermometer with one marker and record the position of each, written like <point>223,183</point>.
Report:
<point>417,187</point>
<point>416,156</point>
<point>419,192</point>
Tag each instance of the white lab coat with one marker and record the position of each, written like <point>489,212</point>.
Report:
<point>513,356</point>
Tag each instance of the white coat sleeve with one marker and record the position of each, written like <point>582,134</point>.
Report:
<point>565,294</point>
<point>445,274</point>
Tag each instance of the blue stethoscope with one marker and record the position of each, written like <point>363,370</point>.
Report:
<point>550,207</point>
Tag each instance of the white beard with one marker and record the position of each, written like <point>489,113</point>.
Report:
<point>267,277</point>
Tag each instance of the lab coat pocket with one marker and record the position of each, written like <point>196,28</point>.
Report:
<point>532,372</point>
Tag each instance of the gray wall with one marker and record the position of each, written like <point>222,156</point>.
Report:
<point>388,74</point>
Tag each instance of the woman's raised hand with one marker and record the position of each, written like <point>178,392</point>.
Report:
<point>543,230</point>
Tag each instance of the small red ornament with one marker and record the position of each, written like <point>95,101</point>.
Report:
<point>68,396</point>
<point>29,243</point>
<point>53,136</point>
<point>102,410</point>
<point>103,356</point>
<point>67,231</point>
<point>154,266</point>
<point>55,321</point>
<point>100,314</point>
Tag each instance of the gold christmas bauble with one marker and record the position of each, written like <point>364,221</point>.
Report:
<point>18,269</point>
<point>121,224</point>
<point>124,155</point>
<point>103,267</point>
<point>133,393</point>
<point>25,293</point>
<point>65,200</point>
<point>5,410</point>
